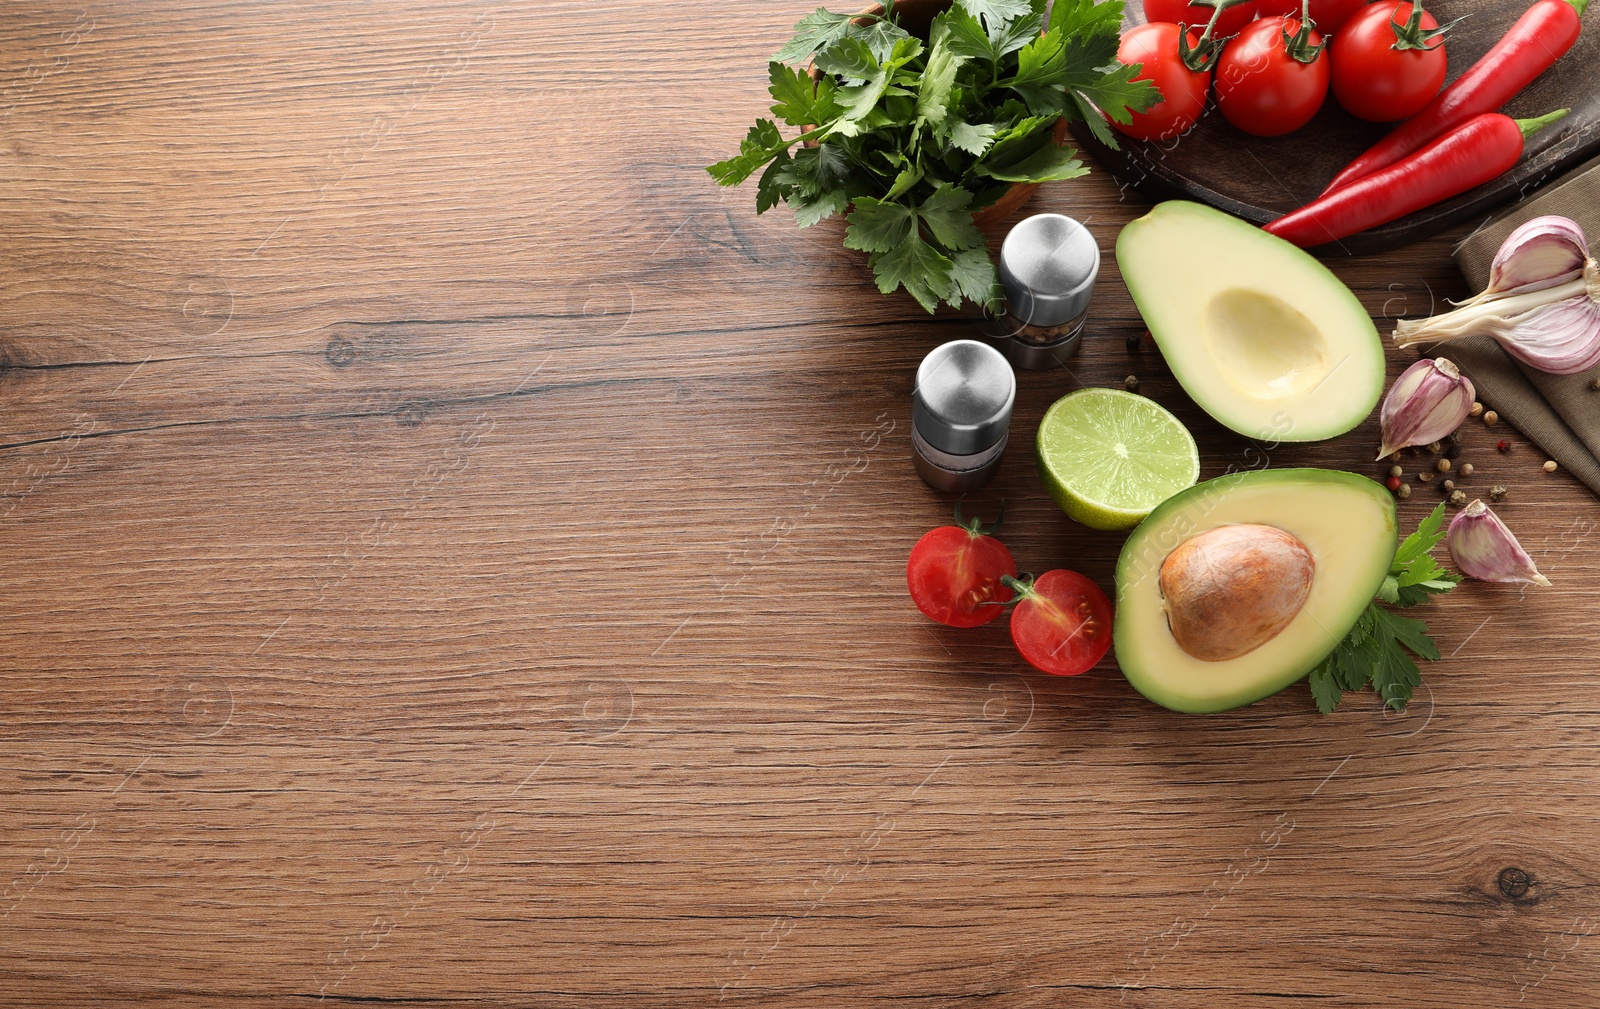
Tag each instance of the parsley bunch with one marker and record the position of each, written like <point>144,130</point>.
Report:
<point>1372,652</point>
<point>917,134</point>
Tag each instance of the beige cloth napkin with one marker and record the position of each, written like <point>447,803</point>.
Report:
<point>1560,413</point>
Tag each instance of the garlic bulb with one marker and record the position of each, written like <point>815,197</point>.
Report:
<point>1483,548</point>
<point>1429,400</point>
<point>1542,303</point>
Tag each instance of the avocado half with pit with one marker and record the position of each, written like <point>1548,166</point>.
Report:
<point>1262,336</point>
<point>1235,588</point>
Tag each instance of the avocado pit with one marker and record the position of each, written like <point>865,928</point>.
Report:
<point>1230,590</point>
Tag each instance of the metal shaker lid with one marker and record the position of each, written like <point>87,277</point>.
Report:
<point>962,403</point>
<point>1048,267</point>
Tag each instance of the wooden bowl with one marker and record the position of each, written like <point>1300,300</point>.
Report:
<point>916,17</point>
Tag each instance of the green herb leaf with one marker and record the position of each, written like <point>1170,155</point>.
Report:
<point>816,31</point>
<point>1049,164</point>
<point>957,30</point>
<point>879,226</point>
<point>1375,650</point>
<point>798,100</point>
<point>774,188</point>
<point>996,12</point>
<point>1012,37</point>
<point>760,146</point>
<point>948,220</point>
<point>809,210</point>
<point>1087,18</point>
<point>926,274</point>
<point>933,98</point>
<point>976,278</point>
<point>1325,688</point>
<point>850,58</point>
<point>972,139</point>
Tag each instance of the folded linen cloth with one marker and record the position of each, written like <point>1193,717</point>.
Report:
<point>1561,413</point>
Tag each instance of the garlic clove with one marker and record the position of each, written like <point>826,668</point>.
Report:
<point>1484,548</point>
<point>1545,252</point>
<point>1429,400</point>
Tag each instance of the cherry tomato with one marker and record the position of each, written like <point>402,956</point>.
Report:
<point>1199,15</point>
<point>1328,15</point>
<point>1273,78</point>
<point>1062,624</point>
<point>955,570</point>
<point>1155,45</point>
<point>1382,74</point>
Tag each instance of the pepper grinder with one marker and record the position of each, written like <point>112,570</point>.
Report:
<point>961,415</point>
<point>1048,266</point>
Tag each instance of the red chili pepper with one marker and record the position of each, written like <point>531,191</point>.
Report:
<point>1482,150</point>
<point>1541,36</point>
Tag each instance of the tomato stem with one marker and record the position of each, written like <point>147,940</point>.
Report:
<point>1298,46</point>
<point>1412,35</point>
<point>1203,55</point>
<point>975,527</point>
<point>1021,588</point>
<point>1579,5</point>
<point>1531,126</point>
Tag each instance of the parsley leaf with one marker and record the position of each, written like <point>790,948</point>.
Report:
<point>816,31</point>
<point>908,137</point>
<point>926,274</point>
<point>997,12</point>
<point>1376,649</point>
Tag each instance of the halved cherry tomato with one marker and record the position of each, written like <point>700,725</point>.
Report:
<point>955,574</point>
<point>1273,78</point>
<point>1062,623</point>
<point>1388,61</point>
<point>1197,15</point>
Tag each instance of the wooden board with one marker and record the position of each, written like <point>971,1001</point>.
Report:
<point>453,556</point>
<point>1260,179</point>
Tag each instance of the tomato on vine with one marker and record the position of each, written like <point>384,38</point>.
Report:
<point>1273,78</point>
<point>1388,61</point>
<point>957,573</point>
<point>1179,63</point>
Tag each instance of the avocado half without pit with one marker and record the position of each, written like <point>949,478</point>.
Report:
<point>1262,336</point>
<point>1237,587</point>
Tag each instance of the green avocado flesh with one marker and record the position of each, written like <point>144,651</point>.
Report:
<point>1262,336</point>
<point>1347,522</point>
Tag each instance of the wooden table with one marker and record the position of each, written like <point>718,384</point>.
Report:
<point>454,555</point>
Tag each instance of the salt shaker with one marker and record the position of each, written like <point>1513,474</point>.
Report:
<point>961,415</point>
<point>1048,267</point>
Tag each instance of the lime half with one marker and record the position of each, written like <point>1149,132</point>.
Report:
<point>1109,457</point>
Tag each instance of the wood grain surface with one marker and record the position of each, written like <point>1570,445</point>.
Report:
<point>1262,179</point>
<point>454,555</point>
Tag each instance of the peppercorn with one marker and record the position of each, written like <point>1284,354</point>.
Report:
<point>1133,343</point>
<point>1467,469</point>
<point>1131,383</point>
<point>1443,465</point>
<point>1550,466</point>
<point>1477,409</point>
<point>1452,451</point>
<point>1425,477</point>
<point>1503,446</point>
<point>1491,418</point>
<point>1498,493</point>
<point>1404,491</point>
<point>1394,484</point>
<point>1436,447</point>
<point>1594,383</point>
<point>1455,437</point>
<point>1397,471</point>
<point>1449,485</point>
<point>1458,498</point>
<point>1394,457</point>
